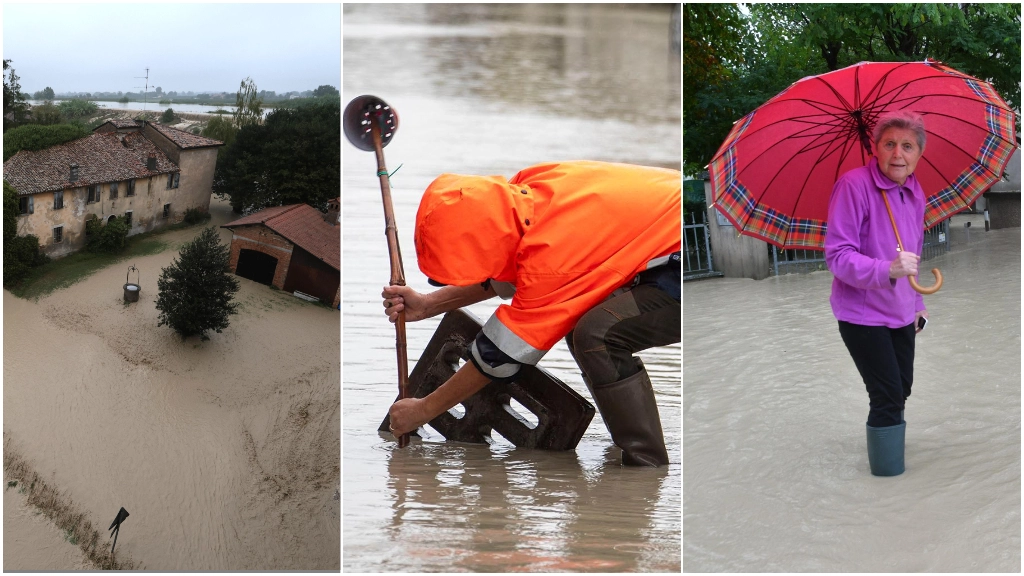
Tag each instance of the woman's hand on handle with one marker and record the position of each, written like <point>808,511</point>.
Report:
<point>905,264</point>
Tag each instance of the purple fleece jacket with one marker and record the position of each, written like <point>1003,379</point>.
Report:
<point>860,245</point>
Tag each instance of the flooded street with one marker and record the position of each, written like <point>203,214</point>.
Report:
<point>777,474</point>
<point>491,90</point>
<point>223,452</point>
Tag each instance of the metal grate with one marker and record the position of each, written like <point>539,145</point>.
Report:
<point>696,249</point>
<point>796,261</point>
<point>936,240</point>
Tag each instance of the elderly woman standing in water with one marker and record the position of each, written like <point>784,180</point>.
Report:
<point>879,313</point>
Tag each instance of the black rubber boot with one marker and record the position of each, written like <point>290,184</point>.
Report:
<point>631,415</point>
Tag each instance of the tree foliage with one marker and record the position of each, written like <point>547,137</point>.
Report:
<point>21,253</point>
<point>196,290</point>
<point>220,128</point>
<point>77,109</point>
<point>15,105</point>
<point>325,90</point>
<point>109,237</point>
<point>46,114</point>
<point>44,94</point>
<point>168,116</point>
<point>724,78</point>
<point>36,137</point>
<point>248,105</point>
<point>292,158</point>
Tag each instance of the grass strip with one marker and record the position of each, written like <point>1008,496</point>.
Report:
<point>63,272</point>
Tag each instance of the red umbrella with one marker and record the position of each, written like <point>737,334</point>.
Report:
<point>773,175</point>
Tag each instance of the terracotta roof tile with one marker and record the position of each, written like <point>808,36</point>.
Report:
<point>101,158</point>
<point>304,226</point>
<point>123,123</point>
<point>185,139</point>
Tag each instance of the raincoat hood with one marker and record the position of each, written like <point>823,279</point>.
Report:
<point>468,229</point>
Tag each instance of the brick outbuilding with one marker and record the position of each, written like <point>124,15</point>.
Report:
<point>293,248</point>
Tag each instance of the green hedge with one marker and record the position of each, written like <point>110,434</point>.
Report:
<point>36,137</point>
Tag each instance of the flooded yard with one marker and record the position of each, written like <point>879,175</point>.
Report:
<point>491,90</point>
<point>225,452</point>
<point>777,474</point>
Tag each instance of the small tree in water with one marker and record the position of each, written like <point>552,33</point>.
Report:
<point>196,290</point>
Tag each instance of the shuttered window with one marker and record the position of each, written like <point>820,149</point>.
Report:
<point>113,190</point>
<point>58,200</point>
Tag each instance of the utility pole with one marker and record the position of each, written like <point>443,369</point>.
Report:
<point>145,92</point>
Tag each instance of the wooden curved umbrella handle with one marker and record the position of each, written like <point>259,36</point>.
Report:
<point>930,289</point>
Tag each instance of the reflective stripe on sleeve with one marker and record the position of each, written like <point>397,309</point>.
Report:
<point>504,290</point>
<point>662,260</point>
<point>510,343</point>
<point>499,371</point>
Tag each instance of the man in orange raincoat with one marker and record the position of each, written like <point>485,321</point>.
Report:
<point>588,251</point>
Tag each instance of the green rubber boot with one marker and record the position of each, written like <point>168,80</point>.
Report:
<point>631,414</point>
<point>885,449</point>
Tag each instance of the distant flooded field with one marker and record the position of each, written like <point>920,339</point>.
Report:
<point>492,89</point>
<point>777,474</point>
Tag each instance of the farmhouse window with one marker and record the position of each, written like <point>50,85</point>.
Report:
<point>128,218</point>
<point>94,193</point>
<point>167,210</point>
<point>58,234</point>
<point>58,199</point>
<point>113,190</point>
<point>25,205</point>
<point>172,180</point>
<point>131,188</point>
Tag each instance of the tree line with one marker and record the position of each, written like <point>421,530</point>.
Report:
<point>737,56</point>
<point>287,156</point>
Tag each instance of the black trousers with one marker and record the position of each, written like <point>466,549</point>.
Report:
<point>885,359</point>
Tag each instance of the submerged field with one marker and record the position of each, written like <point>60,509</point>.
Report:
<point>225,452</point>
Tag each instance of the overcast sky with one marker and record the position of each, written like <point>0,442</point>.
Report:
<point>197,47</point>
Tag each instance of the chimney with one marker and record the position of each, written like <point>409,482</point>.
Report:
<point>74,172</point>
<point>333,216</point>
<point>151,161</point>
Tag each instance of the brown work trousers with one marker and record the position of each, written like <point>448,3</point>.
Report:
<point>630,320</point>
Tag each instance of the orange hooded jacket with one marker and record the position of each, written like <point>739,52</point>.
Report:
<point>565,234</point>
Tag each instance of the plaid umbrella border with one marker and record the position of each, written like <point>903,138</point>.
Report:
<point>979,176</point>
<point>733,199</point>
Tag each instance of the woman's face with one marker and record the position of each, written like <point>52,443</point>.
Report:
<point>898,154</point>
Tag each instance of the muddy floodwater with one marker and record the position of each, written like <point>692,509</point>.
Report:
<point>490,90</point>
<point>777,474</point>
<point>224,453</point>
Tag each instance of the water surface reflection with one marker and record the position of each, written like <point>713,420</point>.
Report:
<point>490,90</point>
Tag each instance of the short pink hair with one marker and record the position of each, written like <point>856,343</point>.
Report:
<point>904,119</point>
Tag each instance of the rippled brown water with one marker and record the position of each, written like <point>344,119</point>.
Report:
<point>776,467</point>
<point>491,90</point>
<point>225,453</point>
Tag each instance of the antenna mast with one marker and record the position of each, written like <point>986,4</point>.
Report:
<point>145,93</point>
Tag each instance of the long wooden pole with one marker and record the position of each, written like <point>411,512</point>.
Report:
<point>397,270</point>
